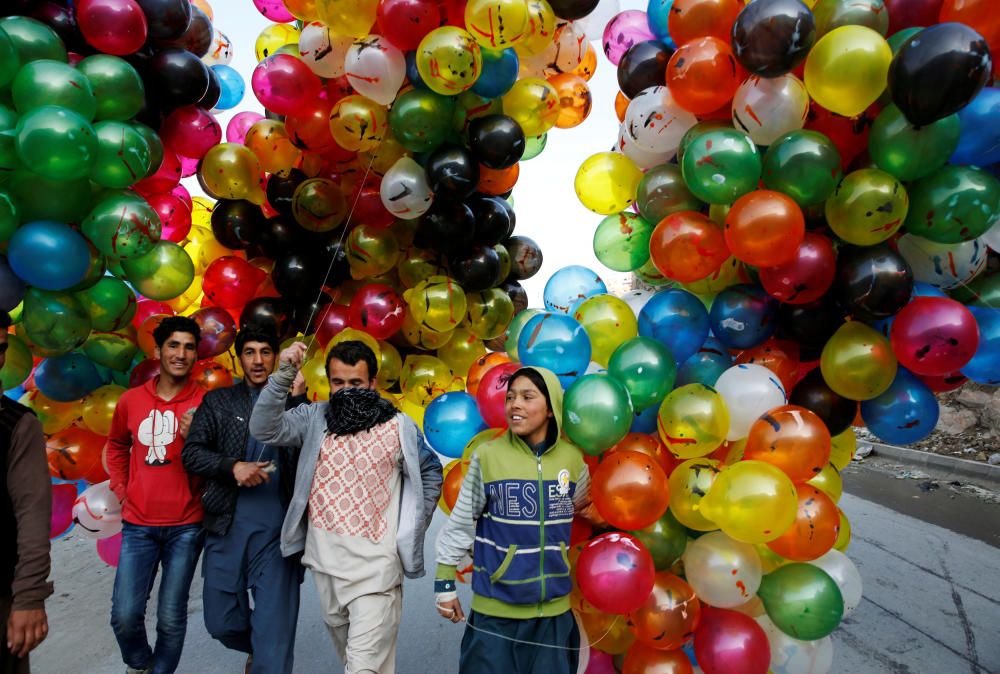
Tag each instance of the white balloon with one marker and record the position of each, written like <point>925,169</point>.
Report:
<point>322,51</point>
<point>636,299</point>
<point>404,189</point>
<point>749,391</point>
<point>655,122</point>
<point>375,68</point>
<point>845,574</point>
<point>221,51</point>
<point>642,157</point>
<point>945,265</point>
<point>98,512</point>
<point>596,21</point>
<point>768,108</point>
<point>723,572</point>
<point>992,236</point>
<point>791,656</point>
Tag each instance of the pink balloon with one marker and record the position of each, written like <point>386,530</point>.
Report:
<point>492,394</point>
<point>166,178</point>
<point>283,83</point>
<point>189,166</point>
<point>934,336</point>
<point>274,10</point>
<point>600,663</point>
<point>190,131</point>
<point>112,26</point>
<point>377,310</point>
<point>626,29</point>
<point>728,642</point>
<point>615,572</point>
<point>175,215</point>
<point>110,549</point>
<point>182,193</point>
<point>63,496</point>
<point>236,130</point>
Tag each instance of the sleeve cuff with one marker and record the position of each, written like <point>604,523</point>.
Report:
<point>226,465</point>
<point>445,572</point>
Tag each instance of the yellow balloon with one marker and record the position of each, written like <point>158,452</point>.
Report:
<point>534,104</point>
<point>273,38</point>
<point>389,365</point>
<point>868,207</point>
<point>769,559</point>
<point>842,448</point>
<point>188,301</point>
<point>424,378</point>
<point>496,24</point>
<point>541,29</point>
<point>201,212</point>
<point>689,483</point>
<point>303,10</point>
<point>269,141</point>
<point>751,501</point>
<point>490,312</point>
<point>358,123</point>
<point>421,336</point>
<point>829,482</point>
<point>693,421</point>
<point>231,171</point>
<point>609,322</point>
<point>438,303</point>
<point>846,69</point>
<point>462,350</point>
<point>419,264</point>
<point>385,155</point>
<point>317,383</point>
<point>449,60</point>
<point>99,408</point>
<point>606,182</point>
<point>844,537</point>
<point>347,18</point>
<point>857,362</point>
<point>203,249</point>
<point>413,410</point>
<point>53,415</point>
<point>371,251</point>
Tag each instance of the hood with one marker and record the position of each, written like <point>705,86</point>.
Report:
<point>555,399</point>
<point>186,393</point>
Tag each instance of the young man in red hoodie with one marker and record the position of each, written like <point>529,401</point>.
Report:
<point>161,504</point>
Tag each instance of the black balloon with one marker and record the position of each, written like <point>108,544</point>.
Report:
<point>63,21</point>
<point>281,189</point>
<point>176,77</point>
<point>447,227</point>
<point>166,19</point>
<point>212,94</point>
<point>525,257</point>
<point>772,37</point>
<point>517,294</point>
<point>452,172</point>
<point>836,411</point>
<point>309,310</point>
<point>331,258</point>
<point>810,325</point>
<point>267,313</point>
<point>644,65</point>
<point>494,219</point>
<point>571,10</point>
<point>496,141</point>
<point>295,275</point>
<point>237,224</point>
<point>278,237</point>
<point>197,39</point>
<point>873,282</point>
<point>938,71</point>
<point>478,269</point>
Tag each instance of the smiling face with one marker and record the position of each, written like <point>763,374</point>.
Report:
<point>527,410</point>
<point>343,376</point>
<point>257,361</point>
<point>177,355</point>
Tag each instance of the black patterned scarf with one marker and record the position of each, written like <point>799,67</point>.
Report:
<point>352,410</point>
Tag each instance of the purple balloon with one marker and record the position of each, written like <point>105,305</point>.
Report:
<point>623,31</point>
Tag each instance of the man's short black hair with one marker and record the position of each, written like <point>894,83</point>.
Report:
<point>4,320</point>
<point>176,324</point>
<point>256,333</point>
<point>351,353</point>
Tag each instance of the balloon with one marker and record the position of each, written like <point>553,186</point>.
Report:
<point>282,83</point>
<point>597,412</point>
<point>621,241</point>
<point>802,600</point>
<point>643,65</point>
<point>646,368</point>
<point>32,40</point>
<point>42,83</point>
<point>526,257</point>
<point>623,31</point>
<point>99,408</point>
<point>420,119</point>
<point>451,420</point>
<point>728,642</point>
<point>693,421</point>
<point>48,255</point>
<point>75,454</point>
<point>706,365</point>
<point>909,152</point>
<point>641,659</point>
<point>983,366</point>
<point>110,303</point>
<point>792,656</point>
<point>112,26</point>
<point>947,52</point>
<point>375,68</point>
<point>230,282</point>
<point>211,375</point>
<point>677,319</point>
<point>122,225</point>
<point>67,377</point>
<point>615,573</point>
<point>748,391</point>
<point>977,143</point>
<point>404,189</point>
<point>774,37</point>
<point>906,413</point>
<point>723,572</point>
<point>703,75</point>
<point>955,204</point>
<point>743,316</point>
<point>845,574</point>
<point>56,142</point>
<point>767,109</point>
<point>666,538</point>
<point>847,68</point>
<point>230,171</point>
<point>608,322</point>
<point>496,141</point>
<point>751,501</point>
<point>720,166</point>
<point>98,512</point>
<point>873,282</point>
<point>569,286</point>
<point>606,182</point>
<point>934,335</point>
<point>868,207</point>
<point>491,393</point>
<point>689,483</point>
<point>858,362</point>
<point>815,529</point>
<point>792,438</point>
<point>61,521</point>
<point>177,77</point>
<point>449,60</point>
<point>662,191</point>
<point>813,394</point>
<point>805,165</point>
<point>110,549</point>
<point>944,265</point>
<point>163,273</point>
<point>630,490</point>
<point>347,18</point>
<point>764,228</point>
<point>55,320</point>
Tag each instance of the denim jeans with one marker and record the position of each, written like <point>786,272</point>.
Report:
<point>144,550</point>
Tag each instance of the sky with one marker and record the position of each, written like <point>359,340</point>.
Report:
<point>545,203</point>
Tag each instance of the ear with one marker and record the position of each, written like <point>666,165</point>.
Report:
<point>156,352</point>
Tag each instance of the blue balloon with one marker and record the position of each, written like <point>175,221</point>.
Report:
<point>232,85</point>
<point>984,368</point>
<point>556,342</point>
<point>15,393</point>
<point>498,74</point>
<point>11,287</point>
<point>571,285</point>
<point>706,366</point>
<point>979,142</point>
<point>905,413</point>
<point>49,255</point>
<point>743,316</point>
<point>450,421</point>
<point>67,378</point>
<point>645,421</point>
<point>676,318</point>
<point>658,18</point>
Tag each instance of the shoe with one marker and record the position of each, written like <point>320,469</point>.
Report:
<point>249,665</point>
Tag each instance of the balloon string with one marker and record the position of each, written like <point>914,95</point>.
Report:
<point>537,643</point>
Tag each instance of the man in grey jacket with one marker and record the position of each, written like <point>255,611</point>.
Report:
<point>366,486</point>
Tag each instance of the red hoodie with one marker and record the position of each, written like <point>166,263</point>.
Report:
<point>144,457</point>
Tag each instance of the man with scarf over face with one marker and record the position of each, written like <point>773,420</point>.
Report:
<point>365,490</point>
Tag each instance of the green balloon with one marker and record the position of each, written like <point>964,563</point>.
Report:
<point>697,130</point>
<point>897,39</point>
<point>955,204</point>
<point>621,241</point>
<point>534,146</point>
<point>662,191</point>
<point>18,364</point>
<point>8,137</point>
<point>117,86</point>
<point>908,152</point>
<point>122,225</point>
<point>110,303</point>
<point>421,120</point>
<point>154,144</point>
<point>33,40</point>
<point>802,600</point>
<point>665,539</point>
<point>9,218</point>
<point>805,165</point>
<point>982,291</point>
<point>721,166</point>
<point>514,330</point>
<point>469,106</point>
<point>161,274</point>
<point>33,195</point>
<point>95,271</point>
<point>833,14</point>
<point>112,349</point>
<point>115,268</point>
<point>42,83</point>
<point>55,321</point>
<point>646,369</point>
<point>56,143</point>
<point>596,413</point>
<point>36,350</point>
<point>649,274</point>
<point>10,61</point>
<point>122,155</point>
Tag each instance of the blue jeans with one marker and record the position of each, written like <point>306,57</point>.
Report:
<point>144,549</point>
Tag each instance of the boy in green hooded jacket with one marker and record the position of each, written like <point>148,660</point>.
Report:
<point>515,511</point>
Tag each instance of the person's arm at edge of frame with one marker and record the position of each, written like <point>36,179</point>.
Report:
<point>270,422</point>
<point>456,539</point>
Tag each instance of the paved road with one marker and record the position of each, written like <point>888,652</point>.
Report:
<point>931,603</point>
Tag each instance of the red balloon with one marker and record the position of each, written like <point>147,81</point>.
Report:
<point>110,549</point>
<point>166,177</point>
<point>615,572</point>
<point>943,383</point>
<point>63,497</point>
<point>849,134</point>
<point>368,206</point>
<point>112,26</point>
<point>182,193</point>
<point>190,131</point>
<point>283,83</point>
<point>910,13</point>
<point>211,375</point>
<point>642,659</point>
<point>728,642</point>
<point>145,308</point>
<point>405,22</point>
<point>687,246</point>
<point>218,331</point>
<point>807,276</point>
<point>76,454</point>
<point>934,335</point>
<point>143,372</point>
<point>580,531</point>
<point>491,395</point>
<point>230,282</point>
<point>330,321</point>
<point>309,126</point>
<point>377,310</point>
<point>174,214</point>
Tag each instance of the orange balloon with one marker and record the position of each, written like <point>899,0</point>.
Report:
<point>211,375</point>
<point>621,105</point>
<point>980,15</point>
<point>630,490</point>
<point>670,615</point>
<point>144,336</point>
<point>575,99</point>
<point>588,66</point>
<point>650,445</point>
<point>641,659</point>
<point>606,632</point>
<point>816,527</point>
<point>765,228</point>
<point>480,367</point>
<point>76,454</point>
<point>703,75</point>
<point>691,19</point>
<point>780,356</point>
<point>687,246</point>
<point>791,438</point>
<point>497,181</point>
<point>453,484</point>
